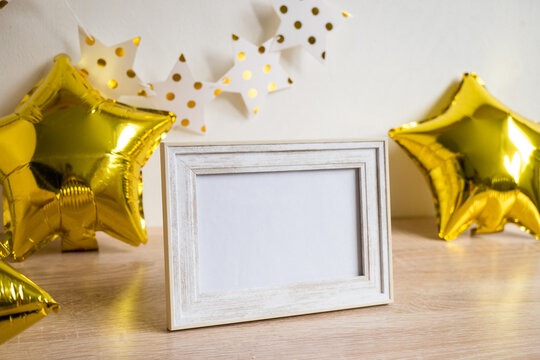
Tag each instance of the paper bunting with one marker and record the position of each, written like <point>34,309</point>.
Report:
<point>110,68</point>
<point>306,23</point>
<point>185,97</point>
<point>256,72</point>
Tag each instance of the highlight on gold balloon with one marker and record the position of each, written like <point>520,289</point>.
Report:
<point>22,303</point>
<point>71,165</point>
<point>481,161</point>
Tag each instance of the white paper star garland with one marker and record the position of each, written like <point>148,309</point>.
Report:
<point>306,23</point>
<point>185,97</point>
<point>110,68</point>
<point>256,72</point>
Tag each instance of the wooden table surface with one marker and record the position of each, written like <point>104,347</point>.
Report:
<point>475,297</point>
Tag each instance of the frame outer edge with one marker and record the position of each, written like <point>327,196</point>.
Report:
<point>388,220</point>
<point>167,150</point>
<point>166,216</point>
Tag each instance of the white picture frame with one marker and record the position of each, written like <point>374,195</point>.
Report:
<point>184,166</point>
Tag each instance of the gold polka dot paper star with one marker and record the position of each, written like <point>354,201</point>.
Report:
<point>110,68</point>
<point>306,23</point>
<point>256,72</point>
<point>184,96</point>
<point>482,161</point>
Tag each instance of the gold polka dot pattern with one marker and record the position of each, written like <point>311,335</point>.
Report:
<point>190,96</point>
<point>255,74</point>
<point>103,66</point>
<point>306,23</point>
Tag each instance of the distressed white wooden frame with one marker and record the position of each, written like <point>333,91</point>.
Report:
<point>188,308</point>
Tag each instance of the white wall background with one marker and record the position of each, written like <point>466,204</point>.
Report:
<point>394,62</point>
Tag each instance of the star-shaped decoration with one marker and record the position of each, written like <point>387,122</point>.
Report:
<point>110,68</point>
<point>22,303</point>
<point>306,23</point>
<point>185,97</point>
<point>71,165</point>
<point>482,161</point>
<point>256,72</point>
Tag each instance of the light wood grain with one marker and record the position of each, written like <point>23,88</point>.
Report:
<point>473,298</point>
<point>188,308</point>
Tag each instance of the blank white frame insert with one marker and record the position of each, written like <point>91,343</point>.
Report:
<point>271,230</point>
<point>300,222</point>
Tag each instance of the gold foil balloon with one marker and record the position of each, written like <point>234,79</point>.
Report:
<point>70,165</point>
<point>481,160</point>
<point>22,303</point>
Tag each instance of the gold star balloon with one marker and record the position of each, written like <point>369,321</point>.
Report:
<point>22,303</point>
<point>71,165</point>
<point>481,160</point>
